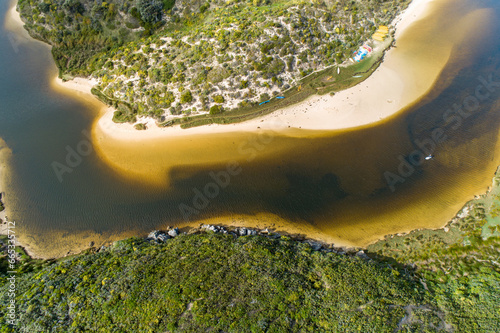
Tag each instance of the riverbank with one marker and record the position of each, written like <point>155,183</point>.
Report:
<point>253,280</point>
<point>76,242</point>
<point>13,19</point>
<point>407,73</point>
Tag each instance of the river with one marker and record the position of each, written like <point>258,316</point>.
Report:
<point>330,185</point>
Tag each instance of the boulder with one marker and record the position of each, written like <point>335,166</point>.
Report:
<point>314,245</point>
<point>162,237</point>
<point>362,255</point>
<point>214,228</point>
<point>158,236</point>
<point>154,234</point>
<point>173,232</point>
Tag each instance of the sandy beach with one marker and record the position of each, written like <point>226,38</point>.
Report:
<point>77,84</point>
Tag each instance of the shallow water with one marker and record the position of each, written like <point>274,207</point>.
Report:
<point>331,182</point>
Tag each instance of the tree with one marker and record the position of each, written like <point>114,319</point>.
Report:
<point>150,10</point>
<point>74,6</point>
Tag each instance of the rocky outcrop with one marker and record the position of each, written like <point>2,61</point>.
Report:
<point>171,232</point>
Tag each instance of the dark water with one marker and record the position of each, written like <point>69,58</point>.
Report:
<point>335,182</point>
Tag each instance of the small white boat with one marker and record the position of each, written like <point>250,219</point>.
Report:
<point>428,157</point>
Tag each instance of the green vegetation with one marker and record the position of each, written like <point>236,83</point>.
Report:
<point>322,82</point>
<point>164,58</point>
<point>25,264</point>
<point>459,263</point>
<point>217,282</point>
<point>215,109</point>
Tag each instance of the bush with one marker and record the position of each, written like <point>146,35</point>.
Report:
<point>168,4</point>
<point>218,74</point>
<point>140,127</point>
<point>215,109</point>
<point>74,6</point>
<point>219,99</point>
<point>150,10</point>
<point>186,97</point>
<point>243,84</point>
<point>264,97</point>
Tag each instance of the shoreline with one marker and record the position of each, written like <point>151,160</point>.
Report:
<point>13,15</point>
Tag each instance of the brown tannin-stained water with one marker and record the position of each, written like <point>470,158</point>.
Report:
<point>348,186</point>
